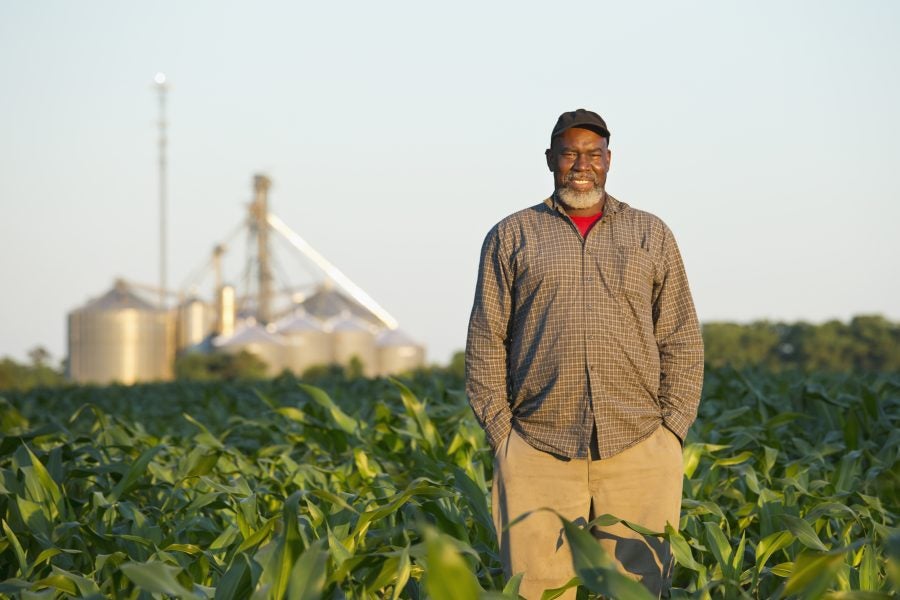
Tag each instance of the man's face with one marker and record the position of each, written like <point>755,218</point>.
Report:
<point>579,159</point>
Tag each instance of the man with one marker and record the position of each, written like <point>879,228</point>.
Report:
<point>584,365</point>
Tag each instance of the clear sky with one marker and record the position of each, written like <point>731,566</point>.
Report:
<point>396,134</point>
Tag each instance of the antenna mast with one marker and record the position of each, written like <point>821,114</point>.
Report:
<point>162,88</point>
<point>259,212</point>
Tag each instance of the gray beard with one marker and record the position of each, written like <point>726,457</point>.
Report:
<point>580,200</point>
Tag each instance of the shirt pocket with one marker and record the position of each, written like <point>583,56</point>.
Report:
<point>546,270</point>
<point>633,274</point>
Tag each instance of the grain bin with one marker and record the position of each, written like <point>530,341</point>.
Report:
<point>226,310</point>
<point>307,343</point>
<point>257,340</point>
<point>195,320</point>
<point>120,337</point>
<point>354,337</point>
<point>397,352</point>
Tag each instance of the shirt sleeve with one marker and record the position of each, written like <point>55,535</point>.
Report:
<point>679,341</point>
<point>487,342</point>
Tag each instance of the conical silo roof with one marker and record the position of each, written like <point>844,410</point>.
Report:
<point>298,322</point>
<point>328,302</point>
<point>251,333</point>
<point>394,337</point>
<point>120,297</point>
<point>348,322</point>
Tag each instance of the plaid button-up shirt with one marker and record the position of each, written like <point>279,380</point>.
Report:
<point>567,332</point>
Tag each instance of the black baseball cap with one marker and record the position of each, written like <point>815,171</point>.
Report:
<point>580,118</point>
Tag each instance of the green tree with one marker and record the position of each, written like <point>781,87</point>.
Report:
<point>741,346</point>
<point>877,343</point>
<point>457,366</point>
<point>866,343</point>
<point>39,373</point>
<point>219,366</point>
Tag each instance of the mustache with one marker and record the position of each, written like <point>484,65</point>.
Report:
<point>583,176</point>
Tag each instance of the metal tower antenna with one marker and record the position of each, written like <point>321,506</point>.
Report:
<point>259,212</point>
<point>162,87</point>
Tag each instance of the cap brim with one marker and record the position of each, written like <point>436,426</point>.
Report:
<point>590,126</point>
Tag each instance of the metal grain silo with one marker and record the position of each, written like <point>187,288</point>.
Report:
<point>353,337</point>
<point>397,352</point>
<point>258,340</point>
<point>120,338</point>
<point>194,322</point>
<point>226,310</point>
<point>307,343</point>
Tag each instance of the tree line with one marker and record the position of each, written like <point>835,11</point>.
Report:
<point>867,343</point>
<point>37,372</point>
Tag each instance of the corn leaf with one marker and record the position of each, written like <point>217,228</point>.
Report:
<point>309,574</point>
<point>812,574</point>
<point>346,423</point>
<point>771,544</point>
<point>553,593</point>
<point>416,409</point>
<point>134,473</point>
<point>237,582</point>
<point>449,577</point>
<point>719,546</point>
<point>17,547</point>
<point>596,569</point>
<point>806,535</point>
<point>157,578</point>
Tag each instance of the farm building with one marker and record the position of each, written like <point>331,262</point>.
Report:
<point>123,337</point>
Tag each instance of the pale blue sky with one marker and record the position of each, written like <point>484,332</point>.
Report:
<point>396,134</point>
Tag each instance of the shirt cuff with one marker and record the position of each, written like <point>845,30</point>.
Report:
<point>677,424</point>
<point>497,431</point>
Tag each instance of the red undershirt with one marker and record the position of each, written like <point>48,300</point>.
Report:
<point>584,224</point>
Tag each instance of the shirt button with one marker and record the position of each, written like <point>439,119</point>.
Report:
<point>590,278</point>
<point>590,337</point>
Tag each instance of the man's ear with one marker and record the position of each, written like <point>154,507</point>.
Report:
<point>548,153</point>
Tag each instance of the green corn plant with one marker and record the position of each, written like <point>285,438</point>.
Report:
<point>358,488</point>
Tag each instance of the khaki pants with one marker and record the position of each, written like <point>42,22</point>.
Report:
<point>641,484</point>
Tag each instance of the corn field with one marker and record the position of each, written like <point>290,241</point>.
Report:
<point>358,488</point>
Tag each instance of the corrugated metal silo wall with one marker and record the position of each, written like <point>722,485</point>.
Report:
<point>273,355</point>
<point>307,349</point>
<point>394,360</point>
<point>125,346</point>
<point>356,343</point>
<point>194,321</point>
